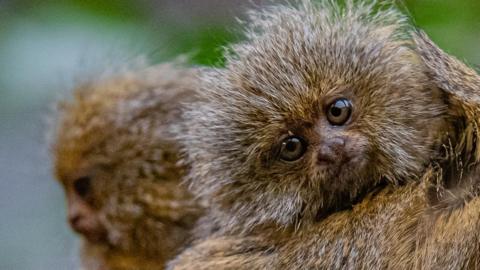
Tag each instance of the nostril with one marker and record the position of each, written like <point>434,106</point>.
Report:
<point>74,220</point>
<point>337,143</point>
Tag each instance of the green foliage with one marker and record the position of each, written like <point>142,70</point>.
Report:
<point>453,24</point>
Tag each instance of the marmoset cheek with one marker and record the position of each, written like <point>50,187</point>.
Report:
<point>356,151</point>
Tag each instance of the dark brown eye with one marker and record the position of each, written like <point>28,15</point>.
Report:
<point>83,186</point>
<point>339,111</point>
<point>293,148</point>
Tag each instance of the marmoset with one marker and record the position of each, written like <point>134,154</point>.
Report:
<point>433,223</point>
<point>318,106</point>
<point>117,161</point>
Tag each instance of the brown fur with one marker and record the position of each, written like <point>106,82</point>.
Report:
<point>293,59</point>
<point>394,228</point>
<point>133,213</point>
<point>279,82</point>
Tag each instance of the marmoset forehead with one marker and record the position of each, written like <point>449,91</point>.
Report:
<point>308,55</point>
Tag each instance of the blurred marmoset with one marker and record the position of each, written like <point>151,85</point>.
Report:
<point>117,161</point>
<point>433,223</point>
<point>319,106</point>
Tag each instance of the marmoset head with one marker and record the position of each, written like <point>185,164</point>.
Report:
<point>320,104</point>
<point>117,161</point>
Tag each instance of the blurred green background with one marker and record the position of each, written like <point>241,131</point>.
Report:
<point>44,44</point>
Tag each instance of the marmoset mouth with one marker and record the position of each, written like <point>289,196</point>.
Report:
<point>90,229</point>
<point>323,160</point>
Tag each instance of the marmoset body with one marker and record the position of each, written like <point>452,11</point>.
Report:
<point>320,106</point>
<point>392,228</point>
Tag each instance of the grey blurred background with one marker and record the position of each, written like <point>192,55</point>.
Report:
<point>44,44</point>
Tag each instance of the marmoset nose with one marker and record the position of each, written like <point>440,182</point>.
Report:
<point>330,151</point>
<point>77,213</point>
<point>74,220</point>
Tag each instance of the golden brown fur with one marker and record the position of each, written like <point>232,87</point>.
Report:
<point>280,82</point>
<point>394,228</point>
<point>117,161</point>
<point>425,140</point>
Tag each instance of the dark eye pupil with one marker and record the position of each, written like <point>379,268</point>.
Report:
<point>82,186</point>
<point>292,145</point>
<point>336,111</point>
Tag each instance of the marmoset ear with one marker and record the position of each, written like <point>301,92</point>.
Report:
<point>461,85</point>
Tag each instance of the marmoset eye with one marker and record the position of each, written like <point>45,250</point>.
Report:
<point>83,186</point>
<point>292,148</point>
<point>339,111</point>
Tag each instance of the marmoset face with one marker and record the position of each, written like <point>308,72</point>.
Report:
<point>128,205</point>
<point>315,108</point>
